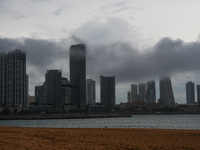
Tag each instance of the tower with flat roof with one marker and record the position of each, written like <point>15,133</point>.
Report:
<point>190,97</point>
<point>77,66</point>
<point>53,81</point>
<point>107,91</point>
<point>142,91</point>
<point>91,92</point>
<point>17,79</point>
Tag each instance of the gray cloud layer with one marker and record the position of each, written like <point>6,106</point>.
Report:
<point>128,64</point>
<point>120,59</point>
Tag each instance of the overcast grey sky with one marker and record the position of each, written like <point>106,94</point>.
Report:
<point>135,40</point>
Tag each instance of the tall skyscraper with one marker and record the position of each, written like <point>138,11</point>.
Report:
<point>91,92</point>
<point>107,89</point>
<point>40,94</point>
<point>3,78</point>
<point>198,94</point>
<point>134,92</point>
<point>53,88</point>
<point>142,91</point>
<point>78,74</point>
<point>14,80</point>
<point>166,92</point>
<point>151,92</point>
<point>190,97</point>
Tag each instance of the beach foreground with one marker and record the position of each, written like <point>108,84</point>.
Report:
<point>86,138</point>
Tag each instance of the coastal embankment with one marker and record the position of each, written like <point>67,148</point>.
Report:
<point>62,116</point>
<point>95,138</point>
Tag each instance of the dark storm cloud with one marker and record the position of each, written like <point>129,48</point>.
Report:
<point>127,63</point>
<point>41,55</point>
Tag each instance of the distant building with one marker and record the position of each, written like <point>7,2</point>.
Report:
<point>3,78</point>
<point>166,92</point>
<point>13,79</point>
<point>190,97</point>
<point>198,94</point>
<point>90,92</point>
<point>142,91</point>
<point>134,92</point>
<point>78,74</point>
<point>65,94</point>
<point>40,94</point>
<point>129,97</point>
<point>53,88</point>
<point>31,99</point>
<point>151,92</point>
<point>107,91</point>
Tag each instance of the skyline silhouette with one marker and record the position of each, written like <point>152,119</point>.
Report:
<point>131,37</point>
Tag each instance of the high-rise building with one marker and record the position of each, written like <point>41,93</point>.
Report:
<point>190,97</point>
<point>65,91</point>
<point>107,91</point>
<point>53,88</point>
<point>17,79</point>
<point>134,92</point>
<point>166,92</point>
<point>78,74</point>
<point>129,97</point>
<point>151,92</point>
<point>3,78</point>
<point>198,94</point>
<point>142,91</point>
<point>90,92</point>
<point>13,78</point>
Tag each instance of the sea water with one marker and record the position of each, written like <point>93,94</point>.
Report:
<point>136,121</point>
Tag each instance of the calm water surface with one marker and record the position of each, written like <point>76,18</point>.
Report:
<point>136,121</point>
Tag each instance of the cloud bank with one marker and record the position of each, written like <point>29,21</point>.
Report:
<point>127,63</point>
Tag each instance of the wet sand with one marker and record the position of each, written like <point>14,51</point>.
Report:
<point>98,139</point>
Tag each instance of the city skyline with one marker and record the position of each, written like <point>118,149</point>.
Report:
<point>130,37</point>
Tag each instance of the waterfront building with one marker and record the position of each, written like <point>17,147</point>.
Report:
<point>142,91</point>
<point>40,94</point>
<point>3,78</point>
<point>65,87</point>
<point>53,88</point>
<point>134,92</point>
<point>190,96</point>
<point>107,91</point>
<point>13,78</point>
<point>198,94</point>
<point>151,92</point>
<point>77,66</point>
<point>166,92</point>
<point>91,92</point>
<point>129,97</point>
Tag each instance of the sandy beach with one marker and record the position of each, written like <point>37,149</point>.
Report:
<point>99,139</point>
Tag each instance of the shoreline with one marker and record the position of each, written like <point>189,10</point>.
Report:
<point>82,115</point>
<point>63,116</point>
<point>98,138</point>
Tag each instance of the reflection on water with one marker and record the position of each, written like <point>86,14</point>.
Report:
<point>136,121</point>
